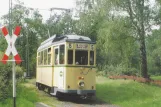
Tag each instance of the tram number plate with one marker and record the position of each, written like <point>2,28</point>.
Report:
<point>82,46</point>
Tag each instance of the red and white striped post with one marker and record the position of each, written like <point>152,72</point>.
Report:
<point>16,58</point>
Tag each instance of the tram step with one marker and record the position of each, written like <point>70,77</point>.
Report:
<point>53,93</point>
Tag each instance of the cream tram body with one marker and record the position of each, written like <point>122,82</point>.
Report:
<point>66,64</point>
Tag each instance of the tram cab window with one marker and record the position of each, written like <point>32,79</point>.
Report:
<point>56,56</point>
<point>81,57</point>
<point>61,54</point>
<point>91,57</point>
<point>70,56</point>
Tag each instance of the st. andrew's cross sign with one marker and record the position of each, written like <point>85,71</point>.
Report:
<point>11,49</point>
<point>11,45</point>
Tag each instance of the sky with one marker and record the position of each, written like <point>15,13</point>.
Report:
<point>43,5</point>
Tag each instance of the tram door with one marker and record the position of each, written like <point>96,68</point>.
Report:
<point>61,77</point>
<point>58,70</point>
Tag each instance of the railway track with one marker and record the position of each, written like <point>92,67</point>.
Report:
<point>69,101</point>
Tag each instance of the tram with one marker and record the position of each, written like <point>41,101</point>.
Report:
<point>66,65</point>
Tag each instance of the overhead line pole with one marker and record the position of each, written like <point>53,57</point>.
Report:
<point>13,62</point>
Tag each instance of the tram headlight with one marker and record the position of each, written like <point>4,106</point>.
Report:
<point>81,84</point>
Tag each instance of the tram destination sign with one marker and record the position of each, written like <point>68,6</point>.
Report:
<point>82,46</point>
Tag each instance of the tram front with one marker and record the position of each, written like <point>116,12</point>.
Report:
<point>80,69</point>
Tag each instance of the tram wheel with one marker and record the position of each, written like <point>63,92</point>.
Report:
<point>39,87</point>
<point>48,90</point>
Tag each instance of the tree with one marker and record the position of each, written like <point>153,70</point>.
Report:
<point>140,15</point>
<point>91,15</point>
<point>60,24</point>
<point>117,46</point>
<point>32,29</point>
<point>154,52</point>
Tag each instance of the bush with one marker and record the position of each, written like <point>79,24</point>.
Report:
<point>110,70</point>
<point>131,71</point>
<point>19,72</point>
<point>5,78</point>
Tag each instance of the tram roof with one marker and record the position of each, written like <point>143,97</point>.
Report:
<point>55,39</point>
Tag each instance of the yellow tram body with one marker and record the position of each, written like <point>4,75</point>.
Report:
<point>66,64</point>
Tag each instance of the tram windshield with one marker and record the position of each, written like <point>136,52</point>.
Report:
<point>81,57</point>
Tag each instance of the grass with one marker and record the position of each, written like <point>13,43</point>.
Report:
<point>42,96</point>
<point>156,77</point>
<point>127,93</point>
<point>28,95</point>
<point>124,93</point>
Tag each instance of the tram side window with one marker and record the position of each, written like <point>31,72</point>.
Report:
<point>56,57</point>
<point>45,57</point>
<point>81,57</point>
<point>49,56</point>
<point>70,56</point>
<point>91,57</point>
<point>61,54</point>
<point>41,58</point>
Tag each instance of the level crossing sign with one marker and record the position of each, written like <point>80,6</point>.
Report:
<point>11,45</point>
